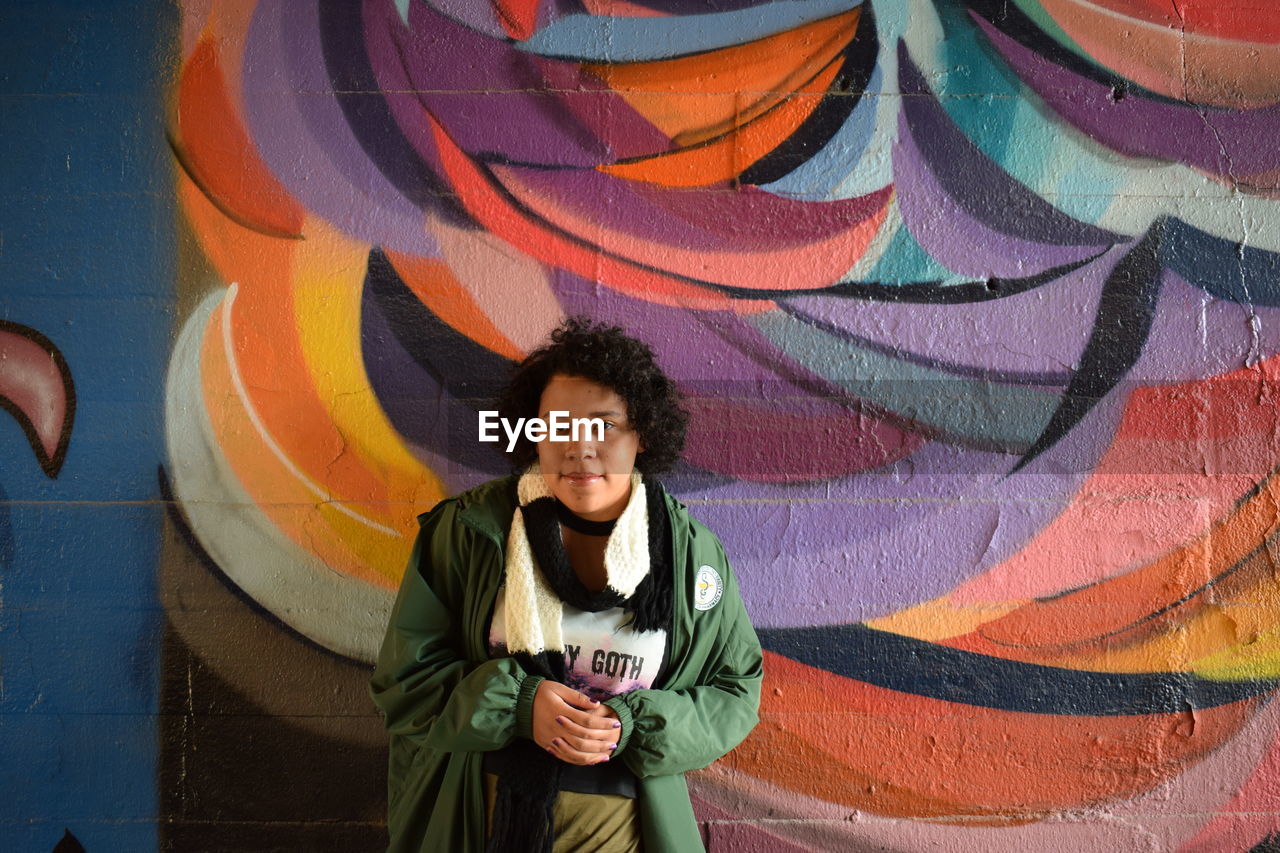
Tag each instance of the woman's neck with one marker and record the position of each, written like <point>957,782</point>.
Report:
<point>585,526</point>
<point>585,553</point>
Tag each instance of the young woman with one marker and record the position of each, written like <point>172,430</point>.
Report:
<point>567,640</point>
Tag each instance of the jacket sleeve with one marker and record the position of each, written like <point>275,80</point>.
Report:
<point>427,688</point>
<point>667,731</point>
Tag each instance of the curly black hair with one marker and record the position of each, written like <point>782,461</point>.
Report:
<point>608,356</point>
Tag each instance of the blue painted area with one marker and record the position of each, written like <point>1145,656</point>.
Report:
<point>6,532</point>
<point>1226,269</point>
<point>86,258</point>
<point>819,177</point>
<point>596,38</point>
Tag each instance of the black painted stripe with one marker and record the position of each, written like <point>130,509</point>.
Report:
<point>813,134</point>
<point>1125,313</point>
<point>921,668</point>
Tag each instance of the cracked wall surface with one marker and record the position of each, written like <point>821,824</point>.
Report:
<point>972,304</point>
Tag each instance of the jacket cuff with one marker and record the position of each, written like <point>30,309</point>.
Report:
<point>624,717</point>
<point>524,705</point>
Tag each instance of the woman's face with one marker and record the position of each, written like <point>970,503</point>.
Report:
<point>591,477</point>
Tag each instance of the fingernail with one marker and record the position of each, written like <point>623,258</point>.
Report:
<point>617,725</point>
<point>606,758</point>
<point>612,747</point>
<point>550,750</point>
<point>556,741</point>
<point>560,720</point>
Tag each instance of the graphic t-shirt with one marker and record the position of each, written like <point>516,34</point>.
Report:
<point>603,657</point>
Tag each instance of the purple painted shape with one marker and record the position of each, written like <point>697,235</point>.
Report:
<point>1041,333</point>
<point>952,236</point>
<point>396,88</point>
<point>1222,141</point>
<point>759,213</point>
<point>489,96</point>
<point>604,112</point>
<point>1195,335</point>
<point>479,16</point>
<point>746,220</point>
<point>1036,332</point>
<point>710,352</point>
<point>305,139</point>
<point>913,529</point>
<point>725,366</point>
<point>433,423</point>
<point>853,549</point>
<point>978,184</point>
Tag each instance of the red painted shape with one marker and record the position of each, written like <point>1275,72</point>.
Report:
<point>1228,19</point>
<point>790,440</point>
<point>478,193</point>
<point>905,755</point>
<point>519,17</point>
<point>214,148</point>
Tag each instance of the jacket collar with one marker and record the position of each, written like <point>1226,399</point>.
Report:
<point>488,508</point>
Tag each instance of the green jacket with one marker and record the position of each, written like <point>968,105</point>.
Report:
<point>446,702</point>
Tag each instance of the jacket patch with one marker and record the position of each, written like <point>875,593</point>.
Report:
<point>707,588</point>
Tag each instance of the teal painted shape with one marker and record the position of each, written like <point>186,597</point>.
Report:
<point>980,412</point>
<point>1006,121</point>
<point>905,261</point>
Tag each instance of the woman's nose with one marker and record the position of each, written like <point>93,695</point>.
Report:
<point>580,449</point>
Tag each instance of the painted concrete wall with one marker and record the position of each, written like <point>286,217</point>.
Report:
<point>974,304</point>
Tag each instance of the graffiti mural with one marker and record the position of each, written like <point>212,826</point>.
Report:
<point>86,318</point>
<point>975,307</point>
<point>37,391</point>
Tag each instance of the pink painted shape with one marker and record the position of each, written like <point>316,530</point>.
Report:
<point>727,831</point>
<point>195,14</point>
<point>1253,813</point>
<point>1146,498</point>
<point>489,269</point>
<point>32,383</point>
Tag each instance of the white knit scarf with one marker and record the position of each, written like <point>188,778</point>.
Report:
<point>533,611</point>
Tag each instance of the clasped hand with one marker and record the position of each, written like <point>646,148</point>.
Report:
<point>572,726</point>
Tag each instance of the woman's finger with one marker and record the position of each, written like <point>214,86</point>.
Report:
<point>586,745</point>
<point>588,718</point>
<point>575,698</point>
<point>569,727</point>
<point>561,749</point>
<point>591,721</point>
